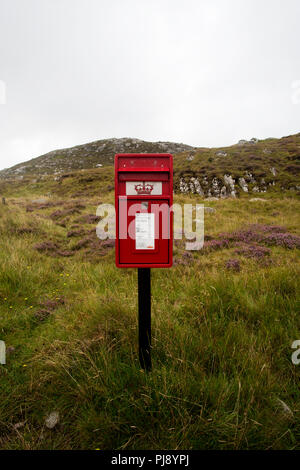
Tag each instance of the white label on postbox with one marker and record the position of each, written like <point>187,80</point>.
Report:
<point>144,232</point>
<point>143,188</point>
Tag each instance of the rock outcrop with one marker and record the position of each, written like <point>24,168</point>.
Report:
<point>226,186</point>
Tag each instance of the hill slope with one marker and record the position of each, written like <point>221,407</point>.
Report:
<point>270,165</point>
<point>249,166</point>
<point>94,154</point>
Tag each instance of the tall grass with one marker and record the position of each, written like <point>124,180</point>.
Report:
<point>222,371</point>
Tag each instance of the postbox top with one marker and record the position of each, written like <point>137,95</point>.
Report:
<point>144,162</point>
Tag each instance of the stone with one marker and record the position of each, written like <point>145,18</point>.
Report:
<point>19,425</point>
<point>197,186</point>
<point>40,200</point>
<point>230,182</point>
<point>243,184</point>
<point>223,192</point>
<point>250,177</point>
<point>255,199</point>
<point>191,186</point>
<point>183,186</point>
<point>52,420</point>
<point>263,186</point>
<point>252,141</point>
<point>215,187</point>
<point>209,209</point>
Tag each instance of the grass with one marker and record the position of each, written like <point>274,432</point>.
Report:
<point>221,339</point>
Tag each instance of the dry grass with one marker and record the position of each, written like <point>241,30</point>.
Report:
<point>221,339</point>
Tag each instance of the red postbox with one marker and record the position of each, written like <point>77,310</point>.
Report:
<point>144,220</point>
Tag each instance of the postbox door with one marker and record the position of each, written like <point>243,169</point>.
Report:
<point>148,233</point>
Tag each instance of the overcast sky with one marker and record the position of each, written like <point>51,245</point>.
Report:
<point>202,72</point>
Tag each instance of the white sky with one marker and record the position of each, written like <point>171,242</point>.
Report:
<point>202,72</point>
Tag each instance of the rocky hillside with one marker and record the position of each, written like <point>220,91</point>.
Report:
<point>248,167</point>
<point>92,155</point>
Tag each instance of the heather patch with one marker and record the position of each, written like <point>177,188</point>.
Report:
<point>42,205</point>
<point>75,233</point>
<point>82,244</point>
<point>108,243</point>
<point>268,228</point>
<point>52,249</point>
<point>48,307</point>
<point>65,253</point>
<point>25,230</point>
<point>46,246</point>
<point>233,265</point>
<point>75,205</point>
<point>63,222</point>
<point>216,244</point>
<point>63,213</point>
<point>178,243</point>
<point>255,234</point>
<point>253,251</point>
<point>52,304</point>
<point>272,236</point>
<point>88,219</point>
<point>92,246</point>
<point>185,260</point>
<point>287,240</point>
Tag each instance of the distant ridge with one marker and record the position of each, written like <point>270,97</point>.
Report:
<point>91,155</point>
<point>249,166</point>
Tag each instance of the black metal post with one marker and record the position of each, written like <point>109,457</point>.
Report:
<point>144,300</point>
